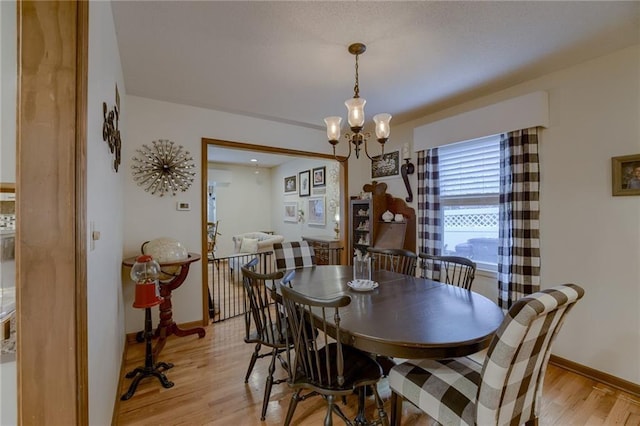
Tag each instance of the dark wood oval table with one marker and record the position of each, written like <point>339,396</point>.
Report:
<point>406,317</point>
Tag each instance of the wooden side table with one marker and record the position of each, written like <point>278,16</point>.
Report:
<point>167,326</point>
<point>327,249</point>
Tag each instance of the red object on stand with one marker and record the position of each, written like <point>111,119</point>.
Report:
<point>167,326</point>
<point>145,272</point>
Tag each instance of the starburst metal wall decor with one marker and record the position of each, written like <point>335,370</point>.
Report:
<point>164,168</point>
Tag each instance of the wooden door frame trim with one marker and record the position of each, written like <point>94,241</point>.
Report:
<point>51,275</point>
<point>82,94</point>
<point>344,189</point>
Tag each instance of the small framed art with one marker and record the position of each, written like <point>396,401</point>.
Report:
<point>319,176</point>
<point>304,181</point>
<point>291,211</point>
<point>317,212</point>
<point>290,186</point>
<point>626,175</point>
<point>386,166</point>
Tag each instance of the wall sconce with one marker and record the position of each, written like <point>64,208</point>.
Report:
<point>407,169</point>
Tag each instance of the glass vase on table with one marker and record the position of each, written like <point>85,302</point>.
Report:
<point>362,268</point>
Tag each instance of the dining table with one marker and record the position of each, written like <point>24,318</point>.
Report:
<point>405,316</point>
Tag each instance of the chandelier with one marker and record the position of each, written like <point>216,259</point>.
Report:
<point>355,117</point>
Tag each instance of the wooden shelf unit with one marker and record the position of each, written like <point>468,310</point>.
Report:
<point>366,221</point>
<point>361,225</point>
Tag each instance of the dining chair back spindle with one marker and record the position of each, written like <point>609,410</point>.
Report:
<point>507,387</point>
<point>395,260</point>
<point>320,364</point>
<point>454,270</point>
<point>264,324</point>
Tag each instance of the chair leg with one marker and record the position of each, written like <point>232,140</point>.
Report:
<point>269,384</point>
<point>532,422</point>
<point>396,409</point>
<point>340,414</point>
<point>254,357</point>
<point>328,418</point>
<point>292,407</point>
<point>382,415</point>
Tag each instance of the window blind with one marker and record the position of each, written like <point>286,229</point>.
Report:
<point>470,168</point>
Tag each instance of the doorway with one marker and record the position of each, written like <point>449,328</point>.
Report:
<point>240,147</point>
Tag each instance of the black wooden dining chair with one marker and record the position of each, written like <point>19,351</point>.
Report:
<point>264,324</point>
<point>395,260</point>
<point>454,270</point>
<point>323,365</point>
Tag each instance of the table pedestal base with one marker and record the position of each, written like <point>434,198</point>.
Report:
<point>150,368</point>
<point>167,330</point>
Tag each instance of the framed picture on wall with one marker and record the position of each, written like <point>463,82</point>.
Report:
<point>386,166</point>
<point>319,176</point>
<point>304,181</point>
<point>626,175</point>
<point>291,211</point>
<point>317,211</point>
<point>290,186</point>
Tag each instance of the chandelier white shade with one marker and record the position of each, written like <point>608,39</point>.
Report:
<point>356,118</point>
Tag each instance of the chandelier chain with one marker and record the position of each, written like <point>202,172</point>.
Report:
<point>356,87</point>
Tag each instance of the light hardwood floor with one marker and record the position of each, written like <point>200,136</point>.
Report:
<point>210,390</point>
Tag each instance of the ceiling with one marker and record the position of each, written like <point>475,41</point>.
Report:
<point>245,158</point>
<point>288,61</point>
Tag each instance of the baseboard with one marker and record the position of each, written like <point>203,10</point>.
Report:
<point>607,379</point>
<point>131,337</point>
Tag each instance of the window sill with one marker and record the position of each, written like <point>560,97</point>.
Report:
<point>486,273</point>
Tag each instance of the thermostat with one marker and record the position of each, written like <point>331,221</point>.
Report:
<point>181,205</point>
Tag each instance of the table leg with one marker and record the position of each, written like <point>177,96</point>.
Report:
<point>167,326</point>
<point>150,368</point>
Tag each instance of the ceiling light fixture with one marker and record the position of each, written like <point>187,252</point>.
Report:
<point>355,117</point>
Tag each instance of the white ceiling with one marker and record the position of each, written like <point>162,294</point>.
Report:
<point>288,61</point>
<point>242,157</point>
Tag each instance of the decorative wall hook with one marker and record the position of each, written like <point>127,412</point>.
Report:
<point>110,131</point>
<point>407,169</point>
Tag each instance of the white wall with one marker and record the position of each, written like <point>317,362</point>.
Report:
<point>8,90</point>
<point>331,193</point>
<point>8,87</point>
<point>243,205</point>
<point>148,216</point>
<point>588,236</point>
<point>104,208</point>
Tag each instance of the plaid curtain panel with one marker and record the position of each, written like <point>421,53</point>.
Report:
<point>519,227</point>
<point>429,214</point>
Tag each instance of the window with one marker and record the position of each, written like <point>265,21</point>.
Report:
<point>469,196</point>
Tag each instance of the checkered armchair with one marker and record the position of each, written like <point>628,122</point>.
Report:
<point>294,254</point>
<point>507,387</point>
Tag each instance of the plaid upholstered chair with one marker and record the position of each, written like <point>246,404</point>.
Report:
<point>507,387</point>
<point>454,270</point>
<point>320,364</point>
<point>264,324</point>
<point>395,260</point>
<point>294,254</point>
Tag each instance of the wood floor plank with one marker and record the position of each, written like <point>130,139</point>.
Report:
<point>209,390</point>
